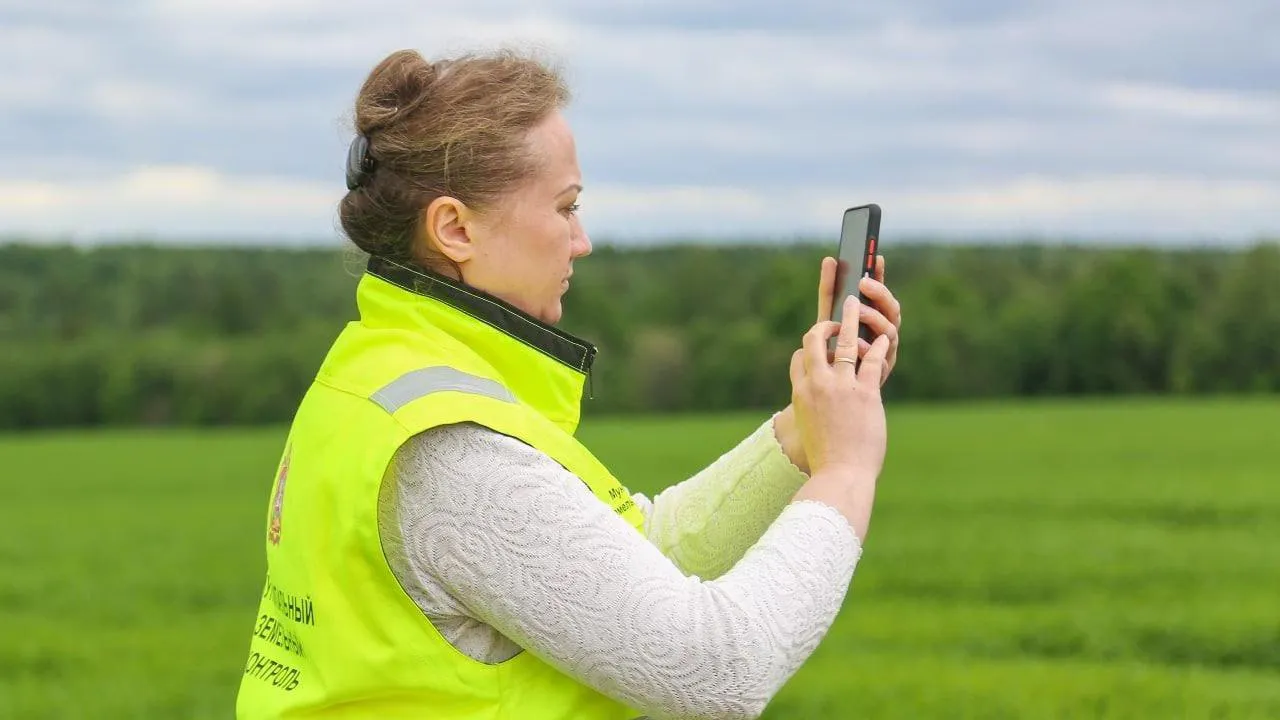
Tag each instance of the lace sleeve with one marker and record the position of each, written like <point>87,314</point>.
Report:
<point>707,522</point>
<point>526,548</point>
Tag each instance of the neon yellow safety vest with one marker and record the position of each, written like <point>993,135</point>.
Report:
<point>335,635</point>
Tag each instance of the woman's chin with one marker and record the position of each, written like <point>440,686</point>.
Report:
<point>551,315</point>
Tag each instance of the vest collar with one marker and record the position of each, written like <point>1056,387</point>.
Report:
<point>556,344</point>
<point>544,368</point>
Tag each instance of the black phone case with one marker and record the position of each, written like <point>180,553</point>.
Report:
<point>867,268</point>
<point>869,258</point>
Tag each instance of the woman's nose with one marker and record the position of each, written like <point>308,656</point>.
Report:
<point>582,241</point>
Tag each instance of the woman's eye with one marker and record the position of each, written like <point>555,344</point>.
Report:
<point>573,208</point>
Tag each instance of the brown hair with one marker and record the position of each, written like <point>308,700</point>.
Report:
<point>454,127</point>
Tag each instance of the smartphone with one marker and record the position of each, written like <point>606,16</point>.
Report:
<point>855,259</point>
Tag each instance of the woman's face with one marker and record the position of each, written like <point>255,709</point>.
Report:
<point>522,249</point>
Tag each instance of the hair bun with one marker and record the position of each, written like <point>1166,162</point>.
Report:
<point>398,86</point>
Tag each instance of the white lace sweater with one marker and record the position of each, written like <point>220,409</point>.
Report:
<point>706,617</point>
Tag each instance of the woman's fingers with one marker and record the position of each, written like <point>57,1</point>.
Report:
<point>881,327</point>
<point>847,341</point>
<point>826,288</point>
<point>880,268</point>
<point>815,347</point>
<point>876,293</point>
<point>863,347</point>
<point>879,324</point>
<point>797,368</point>
<point>872,368</point>
<point>885,318</point>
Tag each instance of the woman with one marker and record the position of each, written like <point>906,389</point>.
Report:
<point>439,545</point>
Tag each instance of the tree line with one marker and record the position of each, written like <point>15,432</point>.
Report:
<point>127,335</point>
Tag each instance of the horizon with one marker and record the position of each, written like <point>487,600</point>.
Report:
<point>303,243</point>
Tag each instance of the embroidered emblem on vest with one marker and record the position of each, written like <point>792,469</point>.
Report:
<point>277,504</point>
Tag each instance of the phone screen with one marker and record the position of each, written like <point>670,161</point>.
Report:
<point>851,263</point>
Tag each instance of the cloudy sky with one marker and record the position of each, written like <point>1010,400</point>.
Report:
<point>1148,120</point>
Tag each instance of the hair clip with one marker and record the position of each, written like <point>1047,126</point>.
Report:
<point>360,163</point>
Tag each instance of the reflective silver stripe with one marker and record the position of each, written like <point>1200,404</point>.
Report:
<point>420,383</point>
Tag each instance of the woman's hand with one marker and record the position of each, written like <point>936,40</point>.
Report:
<point>880,310</point>
<point>839,413</point>
<point>840,418</point>
<point>885,318</point>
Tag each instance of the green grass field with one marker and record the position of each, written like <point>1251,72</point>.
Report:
<point>1046,560</point>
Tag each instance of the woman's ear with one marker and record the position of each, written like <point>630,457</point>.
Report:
<point>446,225</point>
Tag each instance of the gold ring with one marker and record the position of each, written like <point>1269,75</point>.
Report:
<point>851,361</point>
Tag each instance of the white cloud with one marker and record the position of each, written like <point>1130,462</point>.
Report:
<point>180,116</point>
<point>131,101</point>
<point>345,35</point>
<point>1127,207</point>
<point>201,203</point>
<point>1193,104</point>
<point>169,201</point>
<point>44,66</point>
<point>1187,207</point>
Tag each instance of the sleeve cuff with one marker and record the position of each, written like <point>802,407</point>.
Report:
<point>771,454</point>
